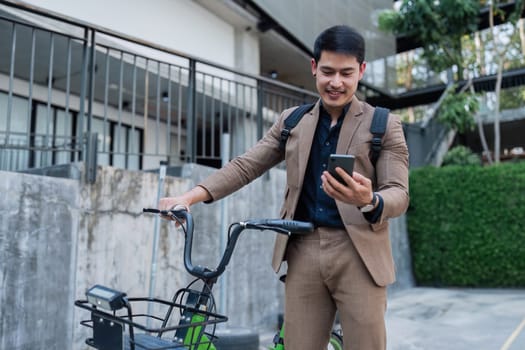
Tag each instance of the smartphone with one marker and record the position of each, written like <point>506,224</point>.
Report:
<point>344,161</point>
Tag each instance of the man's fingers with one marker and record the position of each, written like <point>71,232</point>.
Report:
<point>342,174</point>
<point>166,217</point>
<point>354,190</point>
<point>177,207</point>
<point>334,188</point>
<point>360,179</point>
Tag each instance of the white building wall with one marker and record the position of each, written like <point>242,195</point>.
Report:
<point>180,25</point>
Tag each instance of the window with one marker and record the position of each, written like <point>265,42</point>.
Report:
<point>45,135</point>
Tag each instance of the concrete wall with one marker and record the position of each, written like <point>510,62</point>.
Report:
<point>38,230</point>
<point>60,236</point>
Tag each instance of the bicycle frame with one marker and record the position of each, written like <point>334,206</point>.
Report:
<point>335,341</point>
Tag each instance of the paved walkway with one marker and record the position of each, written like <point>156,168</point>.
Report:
<point>456,319</point>
<point>452,319</point>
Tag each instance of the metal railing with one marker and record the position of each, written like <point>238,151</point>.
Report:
<point>68,89</point>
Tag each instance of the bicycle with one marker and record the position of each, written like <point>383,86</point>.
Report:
<point>115,326</point>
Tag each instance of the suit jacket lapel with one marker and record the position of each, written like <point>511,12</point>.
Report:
<point>350,125</point>
<point>306,135</point>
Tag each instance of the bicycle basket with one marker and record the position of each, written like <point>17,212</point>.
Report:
<point>191,326</point>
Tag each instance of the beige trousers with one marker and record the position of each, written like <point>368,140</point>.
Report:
<point>325,274</point>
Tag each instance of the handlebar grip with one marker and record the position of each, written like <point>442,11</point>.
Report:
<point>291,226</point>
<point>178,213</point>
<point>151,210</point>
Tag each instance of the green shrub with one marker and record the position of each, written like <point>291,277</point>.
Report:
<point>461,155</point>
<point>466,225</point>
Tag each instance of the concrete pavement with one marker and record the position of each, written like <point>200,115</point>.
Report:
<point>456,319</point>
<point>452,319</point>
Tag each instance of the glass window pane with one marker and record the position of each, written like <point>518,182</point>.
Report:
<point>119,146</point>
<point>14,157</point>
<point>104,140</point>
<point>63,137</point>
<point>133,149</point>
<point>43,140</point>
<point>3,112</point>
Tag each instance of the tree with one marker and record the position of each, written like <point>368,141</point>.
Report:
<point>458,111</point>
<point>500,48</point>
<point>447,32</point>
<point>438,26</point>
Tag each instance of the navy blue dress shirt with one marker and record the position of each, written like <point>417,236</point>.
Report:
<point>314,204</point>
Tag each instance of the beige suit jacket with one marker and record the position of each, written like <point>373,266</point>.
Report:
<point>372,241</point>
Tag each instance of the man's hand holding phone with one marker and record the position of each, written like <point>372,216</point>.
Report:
<point>353,188</point>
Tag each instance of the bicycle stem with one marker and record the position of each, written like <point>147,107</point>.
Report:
<point>202,272</point>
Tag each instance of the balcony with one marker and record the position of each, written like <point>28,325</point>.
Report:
<point>68,89</point>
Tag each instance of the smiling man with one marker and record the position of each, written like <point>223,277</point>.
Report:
<point>346,263</point>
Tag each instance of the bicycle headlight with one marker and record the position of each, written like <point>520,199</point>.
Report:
<point>106,298</point>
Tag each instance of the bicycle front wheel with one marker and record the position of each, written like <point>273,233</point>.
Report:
<point>336,342</point>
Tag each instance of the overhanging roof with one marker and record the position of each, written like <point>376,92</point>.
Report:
<point>431,94</point>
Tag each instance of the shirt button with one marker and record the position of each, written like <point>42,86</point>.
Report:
<point>327,144</point>
<point>324,165</point>
<point>321,209</point>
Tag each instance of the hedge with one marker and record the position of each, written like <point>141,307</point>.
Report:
<point>466,225</point>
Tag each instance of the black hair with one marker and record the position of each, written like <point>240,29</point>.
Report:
<point>341,39</point>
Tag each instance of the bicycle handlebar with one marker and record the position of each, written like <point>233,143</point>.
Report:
<point>288,227</point>
<point>281,226</point>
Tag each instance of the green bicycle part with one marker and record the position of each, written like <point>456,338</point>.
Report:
<point>279,345</point>
<point>336,342</point>
<point>196,336</point>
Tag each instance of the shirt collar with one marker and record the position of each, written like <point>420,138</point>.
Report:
<point>343,113</point>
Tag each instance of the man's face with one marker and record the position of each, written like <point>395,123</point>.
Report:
<point>337,76</point>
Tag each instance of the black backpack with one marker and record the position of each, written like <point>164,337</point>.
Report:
<point>377,128</point>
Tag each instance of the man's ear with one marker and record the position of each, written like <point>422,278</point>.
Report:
<point>314,66</point>
<point>362,69</point>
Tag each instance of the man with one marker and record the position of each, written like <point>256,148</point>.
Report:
<point>346,263</point>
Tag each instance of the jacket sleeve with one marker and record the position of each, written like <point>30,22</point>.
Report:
<point>245,168</point>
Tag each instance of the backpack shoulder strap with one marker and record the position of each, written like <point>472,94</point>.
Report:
<point>291,121</point>
<point>378,128</point>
